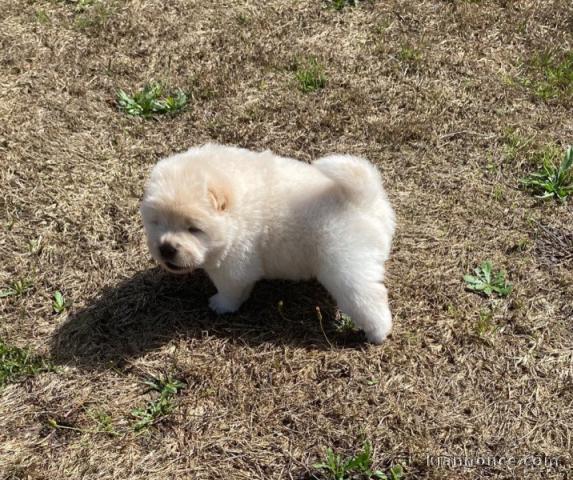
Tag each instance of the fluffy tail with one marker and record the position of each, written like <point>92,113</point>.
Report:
<point>358,178</point>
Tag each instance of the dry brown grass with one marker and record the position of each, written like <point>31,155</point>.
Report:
<point>426,89</point>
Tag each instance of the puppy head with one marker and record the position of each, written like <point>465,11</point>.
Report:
<point>185,214</point>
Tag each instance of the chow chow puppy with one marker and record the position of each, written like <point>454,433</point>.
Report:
<point>243,216</point>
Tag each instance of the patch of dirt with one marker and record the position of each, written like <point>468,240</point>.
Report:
<point>554,246</point>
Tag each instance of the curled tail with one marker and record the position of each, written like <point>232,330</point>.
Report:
<point>359,179</point>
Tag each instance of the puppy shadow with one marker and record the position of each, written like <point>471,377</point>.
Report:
<point>153,307</point>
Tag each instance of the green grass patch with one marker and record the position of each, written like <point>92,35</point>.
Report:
<point>515,144</point>
<point>356,467</point>
<point>243,19</point>
<point>17,363</point>
<point>498,193</point>
<point>485,324</point>
<point>93,15</point>
<point>16,289</point>
<point>82,5</point>
<point>341,4</point>
<point>161,406</point>
<point>409,54</point>
<point>103,420</point>
<point>486,281</point>
<point>552,181</point>
<point>549,75</point>
<point>310,76</point>
<point>42,16</point>
<point>152,100</point>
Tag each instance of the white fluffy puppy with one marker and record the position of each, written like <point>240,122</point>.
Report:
<point>243,216</point>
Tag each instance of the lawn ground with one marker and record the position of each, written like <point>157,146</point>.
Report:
<point>455,101</point>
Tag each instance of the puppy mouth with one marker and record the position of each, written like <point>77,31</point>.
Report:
<point>173,267</point>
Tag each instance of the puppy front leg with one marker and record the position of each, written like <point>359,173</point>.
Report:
<point>231,293</point>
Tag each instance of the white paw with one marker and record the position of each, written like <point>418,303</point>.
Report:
<point>381,329</point>
<point>219,304</point>
<point>377,337</point>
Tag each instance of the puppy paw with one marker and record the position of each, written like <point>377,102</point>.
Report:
<point>377,337</point>
<point>381,326</point>
<point>220,304</point>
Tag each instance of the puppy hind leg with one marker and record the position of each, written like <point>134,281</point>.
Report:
<point>367,305</point>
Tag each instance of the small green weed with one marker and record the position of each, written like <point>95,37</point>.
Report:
<point>550,75</point>
<point>396,473</point>
<point>520,246</point>
<point>552,181</point>
<point>42,16</point>
<point>514,143</point>
<point>93,15</point>
<point>9,225</point>
<point>58,425</point>
<point>161,406</point>
<point>58,303</point>
<point>151,101</point>
<point>548,153</point>
<point>487,282</point>
<point>381,27</point>
<point>340,4</point>
<point>498,193</point>
<point>103,420</point>
<point>485,323</point>
<point>344,324</point>
<point>35,246</point>
<point>16,363</point>
<point>243,19</point>
<point>82,5</point>
<point>310,76</point>
<point>356,467</point>
<point>409,54</point>
<point>20,287</point>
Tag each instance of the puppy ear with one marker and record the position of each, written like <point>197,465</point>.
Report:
<point>219,197</point>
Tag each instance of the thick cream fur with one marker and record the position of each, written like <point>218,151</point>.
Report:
<point>257,215</point>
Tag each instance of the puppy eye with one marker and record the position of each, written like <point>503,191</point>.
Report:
<point>194,230</point>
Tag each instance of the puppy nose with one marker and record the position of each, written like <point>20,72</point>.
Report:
<point>167,251</point>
